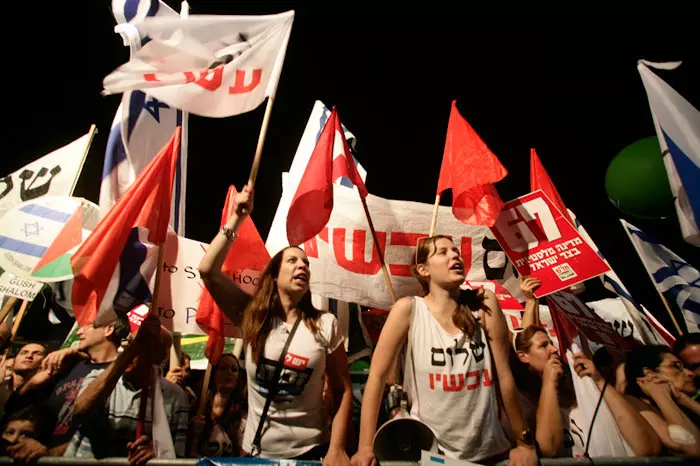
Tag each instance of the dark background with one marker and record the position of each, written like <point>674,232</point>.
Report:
<point>564,83</point>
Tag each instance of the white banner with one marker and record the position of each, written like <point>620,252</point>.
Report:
<point>54,174</point>
<point>181,286</point>
<point>345,265</point>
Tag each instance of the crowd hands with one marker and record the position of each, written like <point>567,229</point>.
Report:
<point>84,401</point>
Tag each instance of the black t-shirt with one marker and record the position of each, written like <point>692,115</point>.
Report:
<point>56,401</point>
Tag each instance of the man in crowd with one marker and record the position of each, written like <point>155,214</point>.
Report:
<point>687,348</point>
<point>55,387</point>
<point>107,408</point>
<point>25,365</point>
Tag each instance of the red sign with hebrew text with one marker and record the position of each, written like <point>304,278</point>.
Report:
<point>540,241</point>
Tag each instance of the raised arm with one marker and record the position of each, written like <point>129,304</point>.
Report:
<point>497,331</point>
<point>637,432</point>
<point>97,393</point>
<point>390,341</point>
<point>230,298</point>
<point>531,316</point>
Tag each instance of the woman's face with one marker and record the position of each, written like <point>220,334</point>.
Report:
<point>294,274</point>
<point>672,369</point>
<point>541,350</point>
<point>227,372</point>
<point>444,266</point>
<point>17,430</point>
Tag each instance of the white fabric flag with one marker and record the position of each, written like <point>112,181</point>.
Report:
<point>677,125</point>
<point>606,439</point>
<point>162,437</point>
<point>641,329</point>
<point>54,174</point>
<point>674,277</point>
<point>213,66</point>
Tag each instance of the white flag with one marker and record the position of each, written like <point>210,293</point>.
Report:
<point>54,174</point>
<point>162,436</point>
<point>678,281</point>
<point>213,66</point>
<point>678,130</point>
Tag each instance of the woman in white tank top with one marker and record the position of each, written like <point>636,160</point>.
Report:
<point>459,349</point>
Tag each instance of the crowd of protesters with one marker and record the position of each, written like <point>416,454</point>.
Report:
<point>496,395</point>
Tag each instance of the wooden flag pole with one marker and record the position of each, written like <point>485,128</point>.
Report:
<point>176,351</point>
<point>661,295</point>
<point>91,136</point>
<point>433,223</point>
<point>7,308</point>
<point>15,327</point>
<point>205,391</point>
<point>261,143</point>
<point>380,253</point>
<point>146,383</point>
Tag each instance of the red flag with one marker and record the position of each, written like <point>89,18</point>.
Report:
<point>539,179</point>
<point>146,206</point>
<point>565,329</point>
<point>313,202</point>
<point>469,168</point>
<point>247,253</point>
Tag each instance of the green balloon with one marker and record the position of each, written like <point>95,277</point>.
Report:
<point>636,181</point>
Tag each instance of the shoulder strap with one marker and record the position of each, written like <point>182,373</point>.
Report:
<point>409,363</point>
<point>272,390</point>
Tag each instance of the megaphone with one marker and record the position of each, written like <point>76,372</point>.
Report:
<point>403,437</point>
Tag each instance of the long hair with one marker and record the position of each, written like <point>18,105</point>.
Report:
<point>649,356</point>
<point>266,305</point>
<point>468,299</point>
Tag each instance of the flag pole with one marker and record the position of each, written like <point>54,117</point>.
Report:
<point>378,248</point>
<point>91,136</point>
<point>661,295</point>
<point>205,390</point>
<point>7,308</point>
<point>433,223</point>
<point>15,327</point>
<point>261,143</point>
<point>146,383</point>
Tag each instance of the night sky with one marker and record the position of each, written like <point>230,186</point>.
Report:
<point>567,87</point>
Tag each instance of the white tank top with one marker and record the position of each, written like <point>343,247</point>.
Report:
<point>451,387</point>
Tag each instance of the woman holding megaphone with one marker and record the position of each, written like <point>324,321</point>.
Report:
<point>458,359</point>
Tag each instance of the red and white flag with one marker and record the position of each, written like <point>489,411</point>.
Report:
<point>313,202</point>
<point>113,267</point>
<point>247,253</point>
<point>212,66</point>
<point>469,168</point>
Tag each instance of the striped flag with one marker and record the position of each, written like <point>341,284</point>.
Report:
<point>677,125</point>
<point>675,278</point>
<point>142,124</point>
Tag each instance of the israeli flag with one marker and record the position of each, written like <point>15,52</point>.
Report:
<point>678,281</point>
<point>142,125</point>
